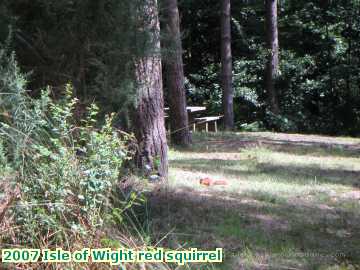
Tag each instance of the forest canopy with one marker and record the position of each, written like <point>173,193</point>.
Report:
<point>82,42</point>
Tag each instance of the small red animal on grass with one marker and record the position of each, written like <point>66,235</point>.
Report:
<point>211,182</point>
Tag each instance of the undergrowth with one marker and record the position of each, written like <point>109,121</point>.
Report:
<point>67,172</point>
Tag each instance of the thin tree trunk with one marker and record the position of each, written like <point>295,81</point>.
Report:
<point>149,121</point>
<point>272,67</point>
<point>174,74</point>
<point>226,66</point>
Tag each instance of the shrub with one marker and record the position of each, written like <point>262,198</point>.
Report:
<point>67,170</point>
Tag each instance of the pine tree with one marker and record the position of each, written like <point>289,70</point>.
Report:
<point>226,66</point>
<point>174,74</point>
<point>149,117</point>
<point>272,66</point>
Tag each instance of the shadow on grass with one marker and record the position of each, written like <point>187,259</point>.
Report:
<point>286,174</point>
<point>314,149</point>
<point>257,225</point>
<point>327,176</point>
<point>228,167</point>
<point>207,143</point>
<point>263,229</point>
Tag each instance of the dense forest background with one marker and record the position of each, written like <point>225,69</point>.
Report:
<point>91,43</point>
<point>318,86</point>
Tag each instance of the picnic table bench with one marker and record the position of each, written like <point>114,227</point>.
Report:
<point>207,120</point>
<point>200,121</point>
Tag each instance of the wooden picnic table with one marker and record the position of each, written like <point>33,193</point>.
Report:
<point>191,109</point>
<point>198,120</point>
<point>206,121</point>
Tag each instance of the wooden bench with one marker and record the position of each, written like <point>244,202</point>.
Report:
<point>206,121</point>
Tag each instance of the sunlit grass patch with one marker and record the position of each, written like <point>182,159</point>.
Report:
<point>291,201</point>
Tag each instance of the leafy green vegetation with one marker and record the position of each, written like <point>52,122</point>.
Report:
<point>67,172</point>
<point>318,83</point>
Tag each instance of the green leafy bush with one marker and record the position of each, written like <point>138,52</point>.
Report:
<point>66,170</point>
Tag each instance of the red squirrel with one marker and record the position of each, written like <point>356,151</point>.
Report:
<point>210,182</point>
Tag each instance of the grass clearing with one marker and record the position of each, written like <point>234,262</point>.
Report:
<point>292,201</point>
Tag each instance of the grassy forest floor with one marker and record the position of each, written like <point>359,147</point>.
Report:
<point>292,201</point>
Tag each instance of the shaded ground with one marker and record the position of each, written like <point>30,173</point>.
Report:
<point>292,201</point>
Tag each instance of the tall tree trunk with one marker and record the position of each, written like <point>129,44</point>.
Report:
<point>272,67</point>
<point>149,117</point>
<point>174,74</point>
<point>226,66</point>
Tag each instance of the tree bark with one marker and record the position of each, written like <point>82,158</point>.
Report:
<point>149,116</point>
<point>226,66</point>
<point>174,74</point>
<point>272,66</point>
